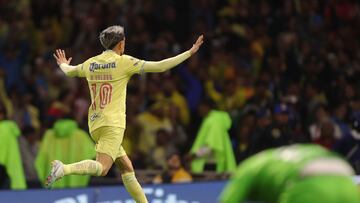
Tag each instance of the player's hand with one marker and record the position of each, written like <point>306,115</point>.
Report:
<point>61,57</point>
<point>197,45</point>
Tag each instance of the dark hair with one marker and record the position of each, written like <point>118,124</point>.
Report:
<point>111,36</point>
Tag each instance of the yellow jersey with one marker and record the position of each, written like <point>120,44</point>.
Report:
<point>107,75</point>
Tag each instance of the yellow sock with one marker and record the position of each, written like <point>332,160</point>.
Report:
<point>86,167</point>
<point>133,187</point>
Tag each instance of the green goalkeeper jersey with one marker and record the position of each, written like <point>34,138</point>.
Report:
<point>266,176</point>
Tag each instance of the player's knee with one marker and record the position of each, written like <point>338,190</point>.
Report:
<point>126,168</point>
<point>105,171</point>
<point>106,163</point>
<point>124,164</point>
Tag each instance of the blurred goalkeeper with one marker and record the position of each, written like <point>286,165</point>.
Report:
<point>107,75</point>
<point>296,174</point>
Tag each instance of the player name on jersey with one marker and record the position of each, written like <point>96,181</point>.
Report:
<point>101,77</point>
<point>97,66</point>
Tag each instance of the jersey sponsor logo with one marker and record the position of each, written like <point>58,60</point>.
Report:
<point>97,66</point>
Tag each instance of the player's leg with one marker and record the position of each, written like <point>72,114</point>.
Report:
<point>85,167</point>
<point>107,146</point>
<point>128,176</point>
<point>100,167</point>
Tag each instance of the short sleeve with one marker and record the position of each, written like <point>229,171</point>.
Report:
<point>133,65</point>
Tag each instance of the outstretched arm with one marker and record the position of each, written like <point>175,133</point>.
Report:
<point>166,64</point>
<point>64,64</point>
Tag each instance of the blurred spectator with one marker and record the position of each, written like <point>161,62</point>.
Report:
<point>348,145</point>
<point>339,117</point>
<point>326,136</point>
<point>81,105</point>
<point>11,62</point>
<point>4,98</point>
<point>262,97</point>
<point>232,97</point>
<point>179,136</point>
<point>10,153</point>
<point>322,118</point>
<point>163,149</point>
<point>28,143</point>
<point>314,97</point>
<point>151,121</point>
<point>278,133</point>
<point>173,97</point>
<point>62,143</point>
<point>263,121</point>
<point>62,106</point>
<point>131,139</point>
<point>192,83</point>
<point>174,172</point>
<point>212,144</point>
<point>25,114</point>
<point>245,137</point>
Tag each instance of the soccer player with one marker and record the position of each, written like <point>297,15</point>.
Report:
<point>107,75</point>
<point>304,173</point>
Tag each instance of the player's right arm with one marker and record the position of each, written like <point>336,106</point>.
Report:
<point>64,64</point>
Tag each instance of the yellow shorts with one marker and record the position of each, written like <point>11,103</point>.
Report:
<point>108,140</point>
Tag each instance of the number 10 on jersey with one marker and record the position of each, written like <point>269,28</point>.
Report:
<point>105,93</point>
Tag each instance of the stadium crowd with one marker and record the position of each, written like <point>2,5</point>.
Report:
<point>285,71</point>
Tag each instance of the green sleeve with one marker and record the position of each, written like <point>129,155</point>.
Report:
<point>239,186</point>
<point>245,178</point>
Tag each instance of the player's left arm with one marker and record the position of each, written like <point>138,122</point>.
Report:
<point>64,64</point>
<point>140,66</point>
<point>166,64</point>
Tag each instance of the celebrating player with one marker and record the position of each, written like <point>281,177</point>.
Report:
<point>107,75</point>
<point>294,174</point>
